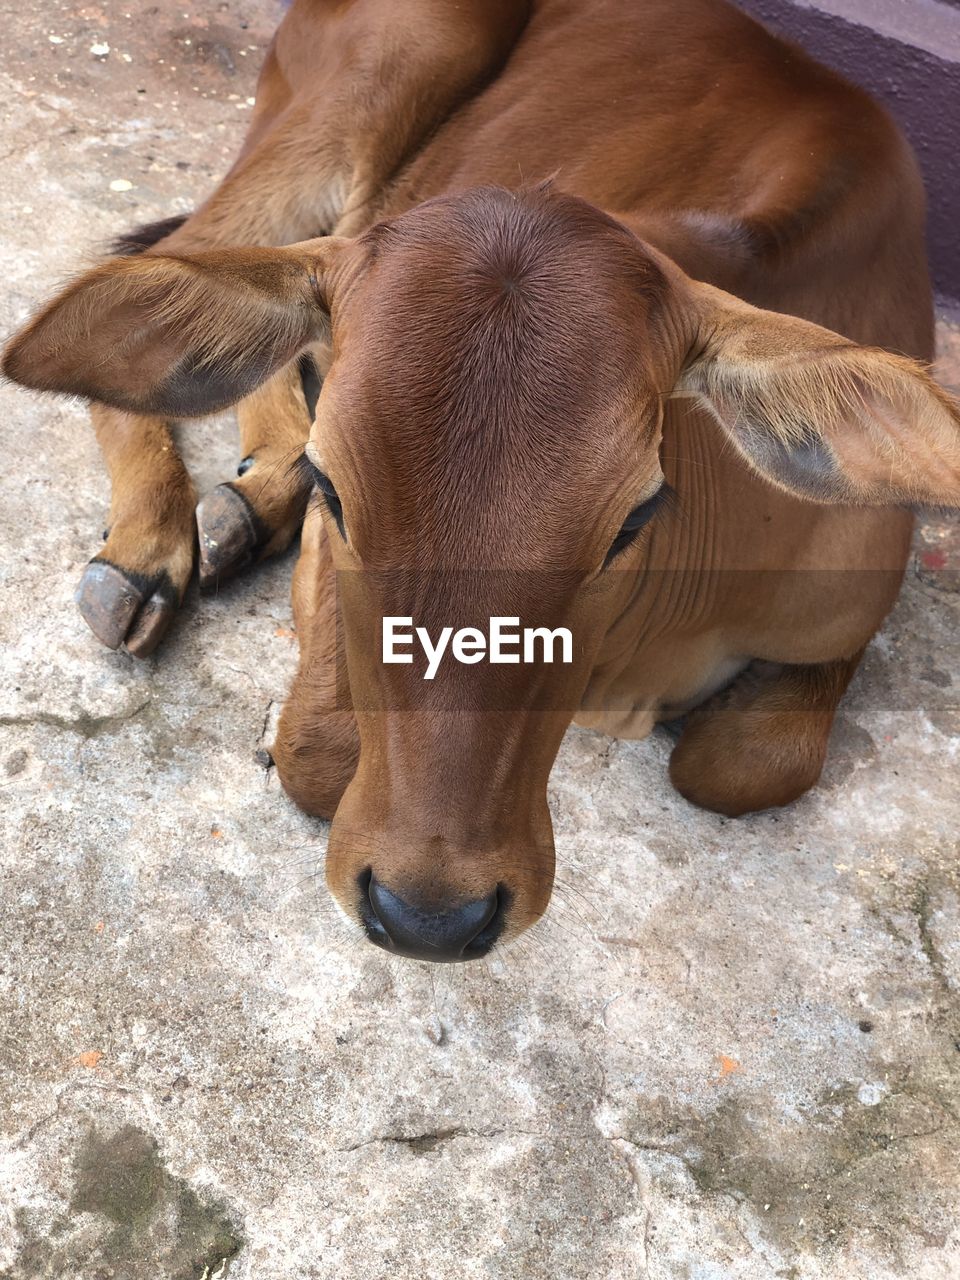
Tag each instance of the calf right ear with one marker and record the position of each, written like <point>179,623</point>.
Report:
<point>179,336</point>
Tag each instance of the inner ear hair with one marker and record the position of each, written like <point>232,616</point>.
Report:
<point>179,335</point>
<point>820,415</point>
<point>221,311</point>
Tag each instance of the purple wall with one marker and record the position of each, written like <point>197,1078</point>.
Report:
<point>907,54</point>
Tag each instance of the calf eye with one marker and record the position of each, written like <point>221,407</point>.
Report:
<point>641,514</point>
<point>330,495</point>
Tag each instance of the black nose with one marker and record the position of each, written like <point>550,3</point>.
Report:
<point>460,933</point>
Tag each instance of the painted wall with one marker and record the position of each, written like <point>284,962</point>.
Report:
<point>907,53</point>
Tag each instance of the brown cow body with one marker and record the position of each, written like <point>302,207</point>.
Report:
<point>508,375</point>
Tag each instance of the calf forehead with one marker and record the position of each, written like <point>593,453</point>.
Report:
<point>497,340</point>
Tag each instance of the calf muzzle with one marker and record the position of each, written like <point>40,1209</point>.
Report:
<point>444,932</point>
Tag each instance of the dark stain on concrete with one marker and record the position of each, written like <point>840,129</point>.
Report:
<point>120,1177</point>
<point>217,47</point>
<point>934,675</point>
<point>851,1168</point>
<point>145,1220</point>
<point>851,747</point>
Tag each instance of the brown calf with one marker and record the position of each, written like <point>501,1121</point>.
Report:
<point>589,404</point>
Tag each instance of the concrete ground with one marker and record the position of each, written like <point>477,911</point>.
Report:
<point>731,1050</point>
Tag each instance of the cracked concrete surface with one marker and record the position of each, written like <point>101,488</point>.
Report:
<point>731,1050</point>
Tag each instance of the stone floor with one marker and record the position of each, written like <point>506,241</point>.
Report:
<point>731,1050</point>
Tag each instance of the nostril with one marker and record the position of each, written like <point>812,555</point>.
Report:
<point>371,921</point>
<point>462,932</point>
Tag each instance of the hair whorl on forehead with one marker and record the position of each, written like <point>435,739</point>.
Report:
<point>509,311</point>
<point>515,238</point>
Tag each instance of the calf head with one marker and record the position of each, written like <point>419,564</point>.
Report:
<point>485,445</point>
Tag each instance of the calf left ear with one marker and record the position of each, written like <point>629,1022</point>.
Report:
<point>820,416</point>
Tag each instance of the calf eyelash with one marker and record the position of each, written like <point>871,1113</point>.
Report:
<point>310,474</point>
<point>663,501</point>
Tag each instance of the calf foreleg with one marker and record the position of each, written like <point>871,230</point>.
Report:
<point>133,586</point>
<point>317,744</point>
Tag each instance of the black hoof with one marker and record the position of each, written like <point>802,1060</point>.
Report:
<point>153,622</point>
<point>108,601</point>
<point>229,534</point>
<point>128,608</point>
